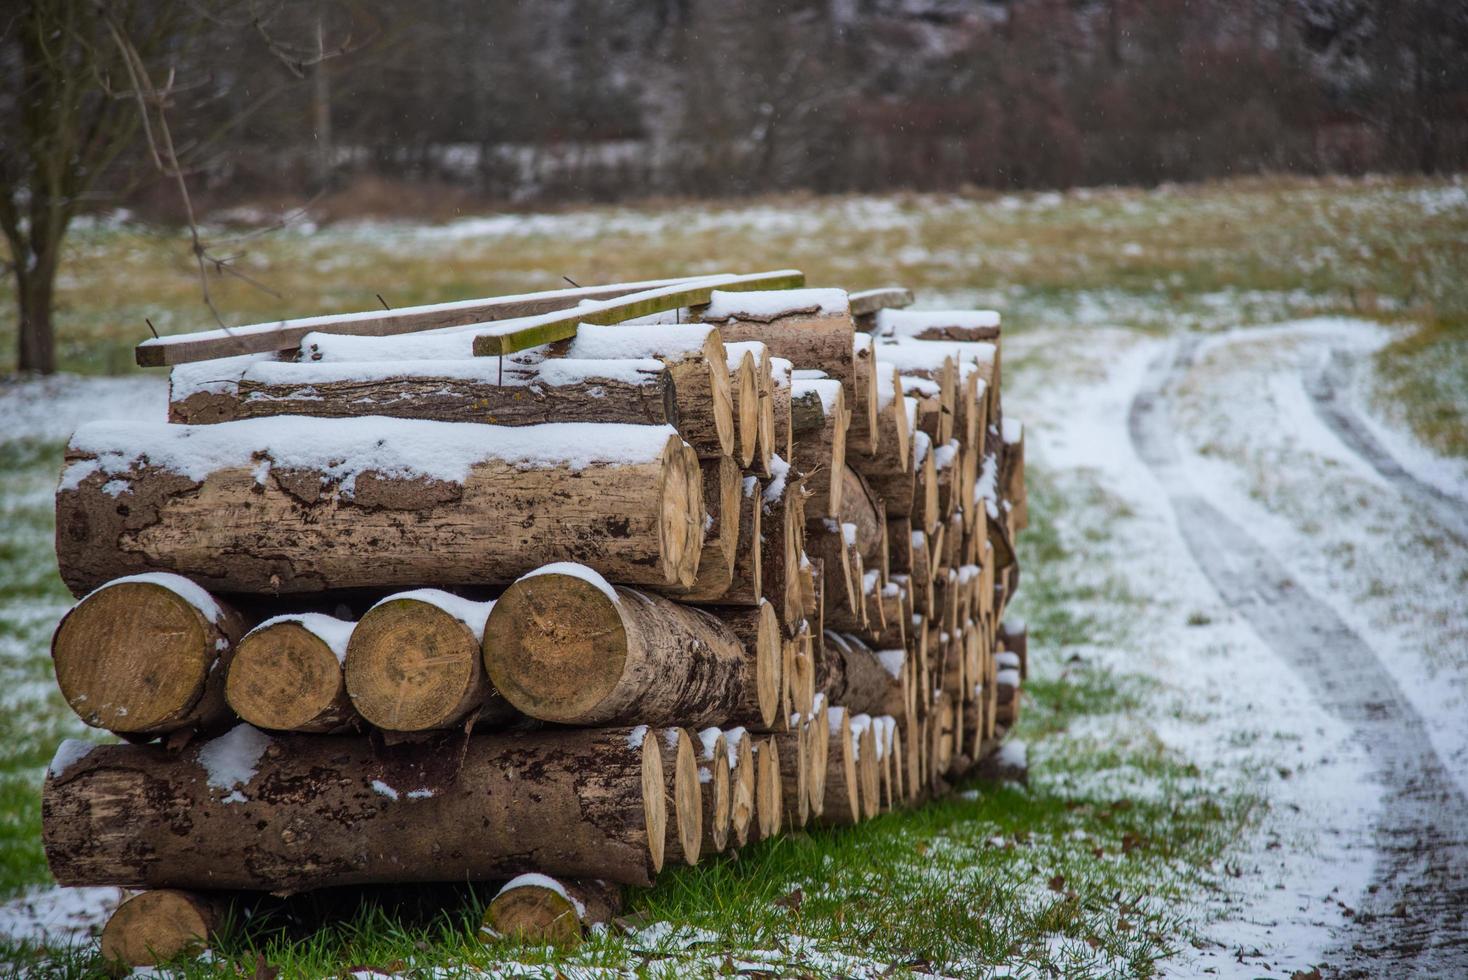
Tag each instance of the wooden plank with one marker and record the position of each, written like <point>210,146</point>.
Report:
<point>258,338</point>
<point>506,338</point>
<point>871,300</point>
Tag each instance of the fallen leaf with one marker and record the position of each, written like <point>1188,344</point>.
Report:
<point>792,901</point>
<point>1057,884</point>
<point>1312,974</point>
<point>263,970</point>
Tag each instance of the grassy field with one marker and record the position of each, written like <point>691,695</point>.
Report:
<point>1096,867</point>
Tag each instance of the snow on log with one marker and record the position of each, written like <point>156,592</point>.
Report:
<point>298,812</point>
<point>808,327</point>
<point>712,750</point>
<point>144,655</point>
<point>742,785</point>
<point>854,675</point>
<point>696,364</point>
<point>537,909</point>
<point>683,841</point>
<point>959,325</point>
<point>286,675</point>
<point>298,505</point>
<point>868,303</point>
<point>564,646</point>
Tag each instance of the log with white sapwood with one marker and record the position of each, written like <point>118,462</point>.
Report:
<point>147,655</point>
<point>297,812</point>
<point>414,663</point>
<point>564,646</point>
<point>297,504</point>
<point>683,842</point>
<point>540,910</point>
<point>287,675</point>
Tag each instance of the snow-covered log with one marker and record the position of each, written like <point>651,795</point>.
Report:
<point>819,422</point>
<point>537,909</point>
<point>299,505</point>
<point>852,674</point>
<point>808,327</point>
<point>952,325</point>
<point>842,802</point>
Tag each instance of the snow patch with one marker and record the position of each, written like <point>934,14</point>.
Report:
<point>335,633</point>
<point>575,570</point>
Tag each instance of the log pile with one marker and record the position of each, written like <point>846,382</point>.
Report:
<point>505,591</point>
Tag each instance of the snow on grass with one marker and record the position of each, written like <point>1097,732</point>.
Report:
<point>49,915</point>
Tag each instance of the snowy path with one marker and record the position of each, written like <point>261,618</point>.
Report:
<point>1412,914</point>
<point>1330,389</point>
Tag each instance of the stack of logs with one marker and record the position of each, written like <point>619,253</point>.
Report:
<point>521,589</point>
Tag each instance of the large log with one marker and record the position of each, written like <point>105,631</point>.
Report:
<point>695,360</point>
<point>287,675</point>
<point>147,655</point>
<point>489,390</point>
<point>809,327</point>
<point>538,909</point>
<point>414,663</point>
<point>300,505</point>
<point>299,812</point>
<point>564,646</point>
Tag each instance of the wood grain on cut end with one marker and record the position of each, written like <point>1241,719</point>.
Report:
<point>535,909</point>
<point>742,792</point>
<point>156,926</point>
<point>136,658</point>
<point>285,677</point>
<point>768,804</point>
<point>413,667</point>
<point>654,799</point>
<point>555,646</point>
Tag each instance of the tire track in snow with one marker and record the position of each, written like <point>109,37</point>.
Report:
<point>1413,920</point>
<point>1328,389</point>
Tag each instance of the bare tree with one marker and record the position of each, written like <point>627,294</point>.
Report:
<point>62,131</point>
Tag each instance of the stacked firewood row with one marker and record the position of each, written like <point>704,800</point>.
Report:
<point>511,591</point>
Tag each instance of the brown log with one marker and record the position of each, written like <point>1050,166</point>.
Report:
<point>953,325</point>
<point>137,496</point>
<point>868,766</point>
<point>299,812</point>
<point>861,508</point>
<point>746,578</point>
<point>818,749</point>
<point>782,546</point>
<point>414,663</point>
<point>153,927</point>
<point>743,786</point>
<point>563,646</point>
<point>1014,636</point>
<point>769,806</point>
<point>842,801</point>
<point>1012,474</point>
<point>723,505</point>
<point>827,542</point>
<point>861,679</point>
<point>820,443</point>
<point>911,731</point>
<point>697,369</point>
<point>684,840</point>
<point>537,909</point>
<point>795,789</point>
<point>713,773</point>
<point>146,655</point>
<point>865,435</point>
<point>287,675</point>
<point>805,336</point>
<point>744,399</point>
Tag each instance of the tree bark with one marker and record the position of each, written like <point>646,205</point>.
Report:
<point>286,527</point>
<point>856,677</point>
<point>713,772</point>
<point>813,341</point>
<point>561,649</point>
<point>147,657</point>
<point>318,811</point>
<point>820,443</point>
<point>842,800</point>
<point>794,777</point>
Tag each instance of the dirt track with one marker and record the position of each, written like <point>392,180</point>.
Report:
<point>1413,918</point>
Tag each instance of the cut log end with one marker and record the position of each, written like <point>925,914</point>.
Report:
<point>156,926</point>
<point>681,524</point>
<point>688,799</point>
<point>556,647</point>
<point>134,658</point>
<point>412,667</point>
<point>654,800</point>
<point>742,793</point>
<point>539,910</point>
<point>285,677</point>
